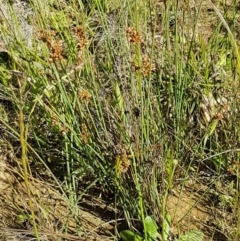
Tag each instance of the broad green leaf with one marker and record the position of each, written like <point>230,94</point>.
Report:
<point>166,226</point>
<point>210,130</point>
<point>222,60</point>
<point>128,235</point>
<point>193,235</point>
<point>151,227</point>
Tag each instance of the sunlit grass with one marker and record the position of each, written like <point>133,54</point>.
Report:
<point>123,99</point>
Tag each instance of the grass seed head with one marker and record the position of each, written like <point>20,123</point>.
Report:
<point>134,36</point>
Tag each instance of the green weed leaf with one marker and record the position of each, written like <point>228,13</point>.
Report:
<point>128,235</point>
<point>166,226</point>
<point>193,235</point>
<point>151,227</point>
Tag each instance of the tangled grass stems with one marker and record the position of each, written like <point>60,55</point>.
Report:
<point>120,92</point>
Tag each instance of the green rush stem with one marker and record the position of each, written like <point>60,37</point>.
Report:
<point>25,169</point>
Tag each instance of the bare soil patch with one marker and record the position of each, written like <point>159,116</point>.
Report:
<point>194,207</point>
<point>52,210</point>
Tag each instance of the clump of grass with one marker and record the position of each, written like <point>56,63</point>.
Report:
<point>122,102</point>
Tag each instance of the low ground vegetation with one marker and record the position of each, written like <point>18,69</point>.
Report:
<point>119,120</point>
